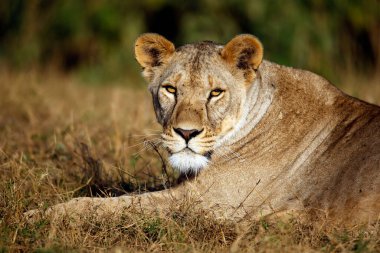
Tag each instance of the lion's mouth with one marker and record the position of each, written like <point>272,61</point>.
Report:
<point>187,149</point>
<point>187,160</point>
<point>206,154</point>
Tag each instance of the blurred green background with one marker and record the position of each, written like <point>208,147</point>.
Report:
<point>94,39</point>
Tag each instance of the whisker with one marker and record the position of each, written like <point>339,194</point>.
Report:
<point>144,134</point>
<point>134,145</point>
<point>168,138</point>
<point>146,146</point>
<point>143,138</point>
<point>208,139</point>
<point>153,130</point>
<point>236,154</point>
<point>229,154</point>
<point>223,153</point>
<point>140,143</point>
<point>204,146</point>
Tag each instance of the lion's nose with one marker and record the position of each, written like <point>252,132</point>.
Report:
<point>187,134</point>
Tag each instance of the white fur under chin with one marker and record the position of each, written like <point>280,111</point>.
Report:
<point>187,161</point>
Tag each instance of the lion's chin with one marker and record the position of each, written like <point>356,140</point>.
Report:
<point>187,161</point>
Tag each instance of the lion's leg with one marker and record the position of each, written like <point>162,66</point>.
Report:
<point>77,208</point>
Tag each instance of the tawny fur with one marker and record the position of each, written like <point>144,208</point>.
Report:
<point>293,143</point>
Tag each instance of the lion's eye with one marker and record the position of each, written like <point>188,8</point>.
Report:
<point>216,92</point>
<point>170,89</point>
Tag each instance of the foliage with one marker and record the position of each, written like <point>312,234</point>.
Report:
<point>95,38</point>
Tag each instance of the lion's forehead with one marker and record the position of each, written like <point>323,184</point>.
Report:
<point>197,57</point>
<point>197,65</point>
<point>203,47</point>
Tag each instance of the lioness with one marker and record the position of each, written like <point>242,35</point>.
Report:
<point>261,138</point>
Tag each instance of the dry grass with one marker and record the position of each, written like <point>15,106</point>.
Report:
<point>60,139</point>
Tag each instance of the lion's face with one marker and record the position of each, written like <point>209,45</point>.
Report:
<point>196,107</point>
<point>198,92</point>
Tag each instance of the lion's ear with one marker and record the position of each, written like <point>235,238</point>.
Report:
<point>244,54</point>
<point>152,51</point>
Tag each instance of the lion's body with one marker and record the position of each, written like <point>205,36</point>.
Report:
<point>315,148</point>
<point>296,144</point>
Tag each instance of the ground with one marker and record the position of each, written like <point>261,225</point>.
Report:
<point>61,138</point>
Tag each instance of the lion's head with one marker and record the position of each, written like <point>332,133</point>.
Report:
<point>199,92</point>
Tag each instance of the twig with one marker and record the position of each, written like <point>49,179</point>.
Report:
<point>241,203</point>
